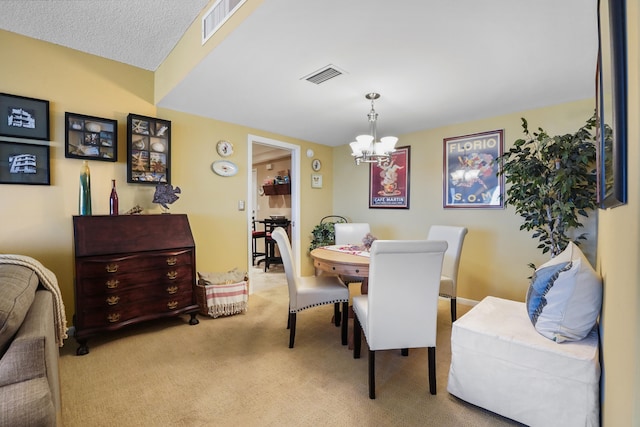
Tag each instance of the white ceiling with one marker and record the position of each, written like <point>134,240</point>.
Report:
<point>435,62</point>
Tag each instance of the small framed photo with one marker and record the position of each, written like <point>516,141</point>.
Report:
<point>148,150</point>
<point>316,180</point>
<point>22,117</point>
<point>24,163</point>
<point>88,137</point>
<point>389,181</point>
<point>470,169</point>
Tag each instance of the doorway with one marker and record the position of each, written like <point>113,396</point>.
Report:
<point>265,147</point>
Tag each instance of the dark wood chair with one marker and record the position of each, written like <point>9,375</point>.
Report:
<point>255,236</point>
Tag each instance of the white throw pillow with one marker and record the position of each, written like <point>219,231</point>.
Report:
<point>565,296</point>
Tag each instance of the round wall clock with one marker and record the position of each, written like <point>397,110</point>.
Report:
<point>316,165</point>
<point>224,168</point>
<point>224,148</point>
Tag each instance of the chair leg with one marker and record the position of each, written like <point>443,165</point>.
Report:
<point>404,351</point>
<point>345,322</point>
<point>372,376</point>
<point>431,351</point>
<point>292,329</point>
<point>336,314</point>
<point>454,315</point>
<point>357,341</point>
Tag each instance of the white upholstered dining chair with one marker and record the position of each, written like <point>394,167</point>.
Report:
<point>454,236</point>
<point>401,309</point>
<point>351,233</point>
<point>311,291</point>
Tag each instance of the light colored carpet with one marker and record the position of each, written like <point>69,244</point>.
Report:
<point>239,371</point>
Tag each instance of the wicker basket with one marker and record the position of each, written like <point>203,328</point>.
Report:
<point>216,281</point>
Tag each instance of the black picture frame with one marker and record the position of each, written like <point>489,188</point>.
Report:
<point>470,172</point>
<point>24,163</point>
<point>23,117</point>
<point>611,104</point>
<point>389,181</point>
<point>148,150</point>
<point>90,138</point>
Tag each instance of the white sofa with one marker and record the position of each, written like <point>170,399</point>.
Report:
<point>501,363</point>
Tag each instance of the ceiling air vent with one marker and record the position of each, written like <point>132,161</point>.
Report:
<point>218,15</point>
<point>323,74</point>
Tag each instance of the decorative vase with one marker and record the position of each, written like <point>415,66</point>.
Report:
<point>84,201</point>
<point>113,199</point>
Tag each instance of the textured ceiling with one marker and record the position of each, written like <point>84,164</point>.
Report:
<point>435,62</point>
<point>136,32</point>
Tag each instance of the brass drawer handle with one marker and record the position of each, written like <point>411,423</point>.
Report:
<point>172,305</point>
<point>113,283</point>
<point>113,317</point>
<point>172,290</point>
<point>172,275</point>
<point>113,300</point>
<point>111,268</point>
<point>172,260</point>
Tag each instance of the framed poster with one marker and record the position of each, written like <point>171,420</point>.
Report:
<point>22,117</point>
<point>148,150</point>
<point>470,179</point>
<point>24,163</point>
<point>389,181</point>
<point>611,104</point>
<point>90,138</point>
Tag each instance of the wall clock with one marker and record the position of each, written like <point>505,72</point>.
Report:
<point>316,165</point>
<point>224,168</point>
<point>224,148</point>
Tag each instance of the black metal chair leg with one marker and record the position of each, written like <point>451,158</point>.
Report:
<point>454,314</point>
<point>404,351</point>
<point>345,322</point>
<point>336,314</point>
<point>431,351</point>
<point>372,376</point>
<point>292,329</point>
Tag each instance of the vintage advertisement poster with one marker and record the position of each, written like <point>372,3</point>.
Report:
<point>389,182</point>
<point>470,179</point>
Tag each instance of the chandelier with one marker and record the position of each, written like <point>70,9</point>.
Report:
<point>366,148</point>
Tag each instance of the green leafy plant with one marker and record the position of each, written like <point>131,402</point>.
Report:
<point>323,234</point>
<point>551,182</point>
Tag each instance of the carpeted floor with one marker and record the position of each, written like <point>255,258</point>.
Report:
<point>239,371</point>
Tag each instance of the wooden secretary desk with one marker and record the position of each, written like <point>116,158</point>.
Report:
<point>130,269</point>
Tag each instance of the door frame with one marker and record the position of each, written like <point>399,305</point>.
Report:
<point>295,191</point>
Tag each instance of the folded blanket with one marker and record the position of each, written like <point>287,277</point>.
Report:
<point>224,300</point>
<point>50,282</point>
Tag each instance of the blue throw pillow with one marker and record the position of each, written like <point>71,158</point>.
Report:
<point>541,282</point>
<point>565,296</point>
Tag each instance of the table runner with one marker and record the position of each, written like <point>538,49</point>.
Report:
<point>349,249</point>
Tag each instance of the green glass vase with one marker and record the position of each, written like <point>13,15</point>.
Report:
<point>84,199</point>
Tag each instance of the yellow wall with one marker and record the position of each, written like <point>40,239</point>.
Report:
<point>36,220</point>
<point>619,252</point>
<point>495,254</point>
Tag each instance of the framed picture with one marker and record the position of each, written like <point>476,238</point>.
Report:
<point>316,180</point>
<point>148,150</point>
<point>389,182</point>
<point>469,176</point>
<point>91,138</point>
<point>22,117</point>
<point>24,163</point>
<point>611,105</point>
